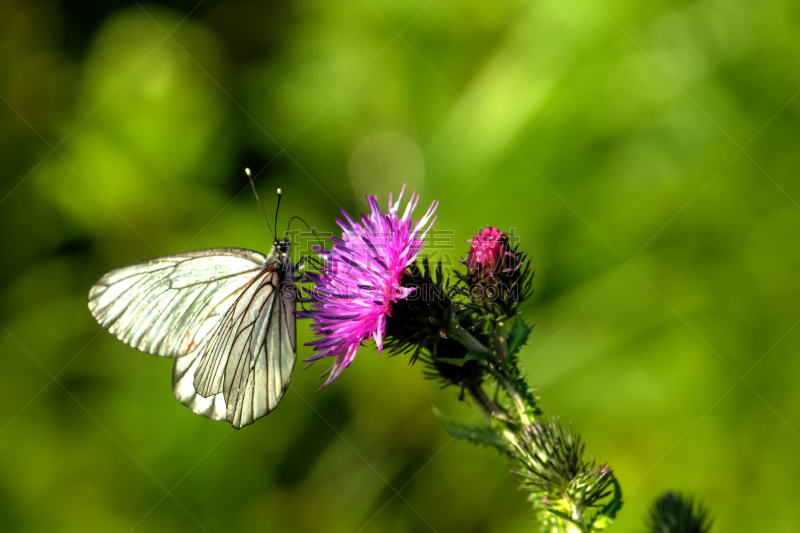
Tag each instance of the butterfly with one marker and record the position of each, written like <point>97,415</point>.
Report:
<point>226,315</point>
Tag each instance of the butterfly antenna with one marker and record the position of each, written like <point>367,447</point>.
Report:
<point>253,185</point>
<point>277,208</point>
<point>322,244</point>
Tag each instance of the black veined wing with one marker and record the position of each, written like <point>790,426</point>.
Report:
<point>250,357</point>
<point>174,305</point>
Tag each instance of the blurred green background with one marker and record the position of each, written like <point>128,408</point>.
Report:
<point>645,153</point>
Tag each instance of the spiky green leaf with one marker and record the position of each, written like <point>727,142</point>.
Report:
<point>472,434</point>
<point>518,335</point>
<point>607,514</point>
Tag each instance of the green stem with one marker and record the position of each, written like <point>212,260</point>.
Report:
<point>500,345</point>
<point>489,408</point>
<point>466,339</point>
<point>519,403</point>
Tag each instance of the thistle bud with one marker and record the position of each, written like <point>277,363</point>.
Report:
<point>488,255</point>
<point>678,513</point>
<point>498,277</point>
<point>561,481</point>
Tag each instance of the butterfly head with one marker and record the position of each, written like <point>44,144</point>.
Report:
<point>282,249</point>
<point>283,246</point>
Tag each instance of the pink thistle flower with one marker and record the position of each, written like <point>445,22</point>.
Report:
<point>354,292</point>
<point>487,253</point>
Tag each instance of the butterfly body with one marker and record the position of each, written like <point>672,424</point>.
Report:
<point>226,315</point>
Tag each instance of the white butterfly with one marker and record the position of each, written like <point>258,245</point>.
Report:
<point>226,315</point>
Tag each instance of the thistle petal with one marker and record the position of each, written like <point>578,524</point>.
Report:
<point>352,296</point>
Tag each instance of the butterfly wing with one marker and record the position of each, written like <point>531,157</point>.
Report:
<point>251,355</point>
<point>183,371</point>
<point>169,306</point>
<point>172,305</point>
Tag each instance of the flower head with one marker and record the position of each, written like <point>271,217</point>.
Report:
<point>498,276</point>
<point>550,459</point>
<point>354,292</point>
<point>679,513</point>
<point>487,253</point>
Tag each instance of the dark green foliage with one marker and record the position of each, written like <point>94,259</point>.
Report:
<point>470,332</point>
<point>678,513</point>
<point>422,324</point>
